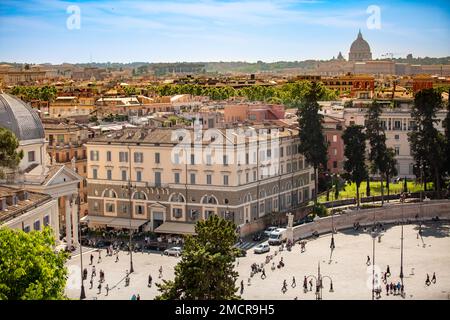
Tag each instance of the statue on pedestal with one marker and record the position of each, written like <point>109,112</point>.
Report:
<point>290,220</point>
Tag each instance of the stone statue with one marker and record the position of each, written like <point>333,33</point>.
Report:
<point>290,220</point>
<point>73,163</point>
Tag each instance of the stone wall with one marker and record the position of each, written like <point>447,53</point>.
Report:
<point>388,214</point>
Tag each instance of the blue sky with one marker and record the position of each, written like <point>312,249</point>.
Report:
<point>217,30</point>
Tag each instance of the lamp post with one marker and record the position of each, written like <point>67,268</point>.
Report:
<point>82,293</point>
<point>401,241</point>
<point>129,189</point>
<point>319,282</point>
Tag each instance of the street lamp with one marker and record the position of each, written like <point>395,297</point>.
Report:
<point>129,189</point>
<point>82,293</point>
<point>319,282</point>
<point>401,239</point>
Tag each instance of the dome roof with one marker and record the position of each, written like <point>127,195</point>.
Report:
<point>20,118</point>
<point>360,45</point>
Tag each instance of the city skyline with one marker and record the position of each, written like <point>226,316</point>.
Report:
<point>44,31</point>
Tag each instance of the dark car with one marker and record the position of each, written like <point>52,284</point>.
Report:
<point>258,236</point>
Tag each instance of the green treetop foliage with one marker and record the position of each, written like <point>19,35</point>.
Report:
<point>288,93</point>
<point>30,269</point>
<point>206,270</point>
<point>390,166</point>
<point>9,156</point>
<point>377,137</point>
<point>312,140</point>
<point>29,93</point>
<point>355,153</point>
<point>427,143</point>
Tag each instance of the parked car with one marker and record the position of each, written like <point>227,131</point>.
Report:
<point>174,251</point>
<point>277,236</point>
<point>269,230</point>
<point>258,236</point>
<point>261,248</point>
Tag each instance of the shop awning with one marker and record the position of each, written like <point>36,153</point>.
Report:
<point>176,228</point>
<point>114,222</point>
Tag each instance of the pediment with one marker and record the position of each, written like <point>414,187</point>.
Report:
<point>62,176</point>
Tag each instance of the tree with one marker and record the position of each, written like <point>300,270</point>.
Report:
<point>427,143</point>
<point>377,141</point>
<point>355,153</point>
<point>205,271</point>
<point>446,125</point>
<point>391,167</point>
<point>9,156</point>
<point>312,141</point>
<point>30,268</point>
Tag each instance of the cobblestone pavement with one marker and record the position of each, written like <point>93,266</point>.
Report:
<point>347,267</point>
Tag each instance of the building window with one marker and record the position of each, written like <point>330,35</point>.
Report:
<point>94,173</point>
<point>138,157</point>
<point>124,175</point>
<point>254,176</point>
<point>158,179</point>
<point>31,156</point>
<point>334,138</point>
<point>96,206</point>
<point>110,207</point>
<point>108,155</point>
<point>334,151</point>
<point>225,160</point>
<point>157,158</point>
<point>192,158</point>
<point>208,179</point>
<point>26,229</point>
<point>46,220</point>
<point>139,209</point>
<point>397,151</point>
<point>334,164</point>
<point>37,225</point>
<point>225,180</point>
<point>109,174</point>
<point>177,213</point>
<point>246,158</point>
<point>208,159</point>
<point>139,176</point>
<point>246,177</point>
<point>94,155</point>
<point>123,156</point>
<point>176,177</point>
<point>176,158</point>
<point>192,178</point>
<point>397,137</point>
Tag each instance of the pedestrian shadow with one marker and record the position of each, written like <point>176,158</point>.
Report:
<point>434,229</point>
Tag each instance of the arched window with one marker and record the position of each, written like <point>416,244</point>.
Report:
<point>109,193</point>
<point>262,193</point>
<point>209,199</point>
<point>248,197</point>
<point>139,195</point>
<point>176,197</point>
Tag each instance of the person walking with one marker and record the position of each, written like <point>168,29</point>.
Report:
<point>91,283</point>
<point>150,279</point>
<point>294,284</point>
<point>160,271</point>
<point>387,289</point>
<point>305,284</point>
<point>284,288</point>
<point>99,288</point>
<point>428,282</point>
<point>107,289</point>
<point>263,275</point>
<point>310,285</point>
<point>433,279</point>
<point>138,297</point>
<point>92,259</point>
<point>117,256</point>
<point>242,286</point>
<point>368,261</point>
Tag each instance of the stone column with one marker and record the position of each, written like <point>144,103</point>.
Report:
<point>68,222</point>
<point>75,221</point>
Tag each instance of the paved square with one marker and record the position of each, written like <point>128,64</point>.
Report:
<point>351,276</point>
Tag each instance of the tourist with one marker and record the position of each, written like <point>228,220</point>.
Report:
<point>99,256</point>
<point>427,282</point>
<point>99,288</point>
<point>92,283</point>
<point>138,297</point>
<point>368,261</point>
<point>242,286</point>
<point>310,285</point>
<point>433,279</point>
<point>93,272</point>
<point>92,258</point>
<point>284,288</point>
<point>294,284</point>
<point>273,266</point>
<point>117,256</point>
<point>107,289</point>
<point>387,289</point>
<point>133,297</point>
<point>150,279</point>
<point>263,275</point>
<point>305,284</point>
<point>388,271</point>
<point>160,271</point>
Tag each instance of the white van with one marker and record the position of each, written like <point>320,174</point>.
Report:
<point>277,236</point>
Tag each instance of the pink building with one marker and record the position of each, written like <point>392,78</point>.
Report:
<point>333,129</point>
<point>253,112</point>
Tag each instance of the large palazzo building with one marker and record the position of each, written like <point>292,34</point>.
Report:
<point>172,188</point>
